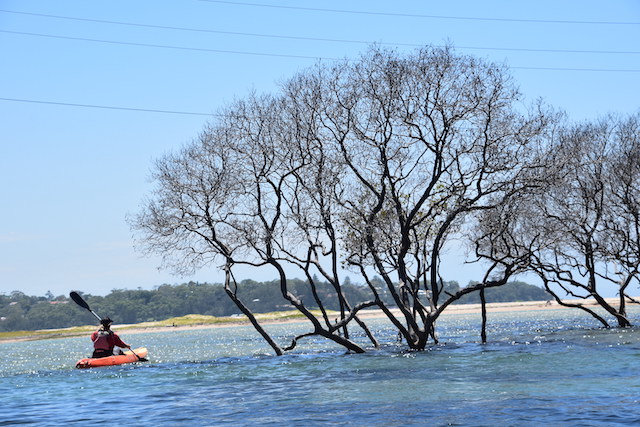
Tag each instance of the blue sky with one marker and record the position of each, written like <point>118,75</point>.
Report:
<point>83,85</point>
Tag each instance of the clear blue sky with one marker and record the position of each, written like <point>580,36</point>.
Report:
<point>70,172</point>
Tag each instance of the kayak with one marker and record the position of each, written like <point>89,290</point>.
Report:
<point>127,357</point>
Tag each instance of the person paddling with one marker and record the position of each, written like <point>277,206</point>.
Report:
<point>104,340</point>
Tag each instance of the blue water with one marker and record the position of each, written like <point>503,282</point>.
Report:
<point>539,368</point>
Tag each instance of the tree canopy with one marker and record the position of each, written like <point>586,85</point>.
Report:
<point>581,230</point>
<point>376,165</point>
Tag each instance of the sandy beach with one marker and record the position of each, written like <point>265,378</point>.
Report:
<point>368,314</point>
<point>128,329</point>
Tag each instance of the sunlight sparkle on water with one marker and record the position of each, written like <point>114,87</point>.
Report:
<point>537,368</point>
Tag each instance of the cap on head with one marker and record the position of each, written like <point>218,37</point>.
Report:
<point>105,321</point>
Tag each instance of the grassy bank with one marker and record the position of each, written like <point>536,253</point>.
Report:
<point>198,320</point>
<point>183,321</point>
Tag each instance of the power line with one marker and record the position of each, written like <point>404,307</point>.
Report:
<point>197,49</point>
<point>411,15</point>
<point>237,52</point>
<point>132,24</point>
<point>106,107</point>
<point>198,30</point>
<point>598,70</point>
<point>320,39</point>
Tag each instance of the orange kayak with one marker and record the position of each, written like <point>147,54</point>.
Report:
<point>127,357</point>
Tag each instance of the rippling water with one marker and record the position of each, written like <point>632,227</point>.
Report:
<point>540,368</point>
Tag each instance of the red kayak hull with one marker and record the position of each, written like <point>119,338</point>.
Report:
<point>127,357</point>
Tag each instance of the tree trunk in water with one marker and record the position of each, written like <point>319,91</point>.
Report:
<point>483,332</point>
<point>622,320</point>
<point>250,316</point>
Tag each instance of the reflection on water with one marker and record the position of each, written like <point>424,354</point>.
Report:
<point>551,367</point>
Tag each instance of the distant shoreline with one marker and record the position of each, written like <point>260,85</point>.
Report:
<point>130,329</point>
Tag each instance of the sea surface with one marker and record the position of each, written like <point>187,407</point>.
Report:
<point>550,368</point>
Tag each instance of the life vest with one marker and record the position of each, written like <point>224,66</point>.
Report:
<point>103,340</point>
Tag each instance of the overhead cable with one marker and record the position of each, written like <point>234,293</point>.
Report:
<point>412,15</point>
<point>319,39</point>
<point>198,49</point>
<point>106,107</point>
<point>237,52</point>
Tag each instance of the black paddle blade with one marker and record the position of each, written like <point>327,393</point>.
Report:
<point>78,300</point>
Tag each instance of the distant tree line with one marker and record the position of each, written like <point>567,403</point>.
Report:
<point>22,312</point>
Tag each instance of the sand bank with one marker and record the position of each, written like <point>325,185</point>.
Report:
<point>125,330</point>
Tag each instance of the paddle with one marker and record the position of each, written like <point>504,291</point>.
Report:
<point>82,303</point>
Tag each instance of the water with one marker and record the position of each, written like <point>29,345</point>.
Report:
<point>539,368</point>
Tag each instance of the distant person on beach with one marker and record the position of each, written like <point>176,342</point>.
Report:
<point>104,340</point>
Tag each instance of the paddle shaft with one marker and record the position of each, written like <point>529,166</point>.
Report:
<point>82,303</point>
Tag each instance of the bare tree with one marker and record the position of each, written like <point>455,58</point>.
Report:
<point>230,196</point>
<point>622,219</point>
<point>312,202</point>
<point>422,141</point>
<point>579,231</point>
<point>576,208</point>
<point>506,237</point>
<point>271,143</point>
<point>190,218</point>
<point>373,164</point>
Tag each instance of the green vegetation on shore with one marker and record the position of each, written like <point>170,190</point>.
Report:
<point>168,304</point>
<point>188,320</point>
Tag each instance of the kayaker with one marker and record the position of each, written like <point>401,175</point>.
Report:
<point>104,340</point>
